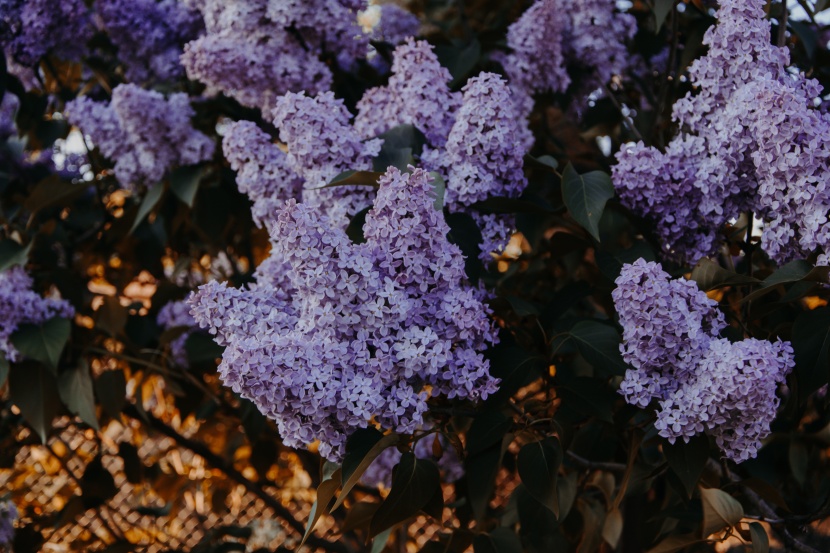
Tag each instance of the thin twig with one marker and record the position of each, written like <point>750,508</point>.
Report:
<point>596,465</point>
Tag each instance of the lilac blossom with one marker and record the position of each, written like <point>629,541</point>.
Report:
<point>262,171</point>
<point>19,305</point>
<point>321,144</point>
<point>149,35</point>
<point>395,24</point>
<point>325,25</point>
<point>8,111</point>
<point>417,94</point>
<point>8,516</point>
<point>142,132</point>
<point>379,473</point>
<point>367,332</point>
<point>31,29</point>
<point>176,314</point>
<point>702,383</point>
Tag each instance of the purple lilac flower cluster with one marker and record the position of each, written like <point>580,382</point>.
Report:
<point>8,516</point>
<point>19,305</point>
<point>703,383</point>
<point>553,35</point>
<point>149,35</point>
<point>8,112</point>
<point>142,132</point>
<point>379,473</point>
<point>257,50</point>
<point>362,331</point>
<point>176,314</point>
<point>752,141</point>
<point>262,171</point>
<point>396,24</point>
<point>31,29</point>
<point>321,144</point>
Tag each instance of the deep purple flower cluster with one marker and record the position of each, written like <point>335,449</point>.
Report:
<point>8,516</point>
<point>262,171</point>
<point>321,144</point>
<point>703,383</point>
<point>19,304</point>
<point>367,332</point>
<point>752,141</point>
<point>379,473</point>
<point>553,35</point>
<point>176,314</point>
<point>31,29</point>
<point>149,35</point>
<point>8,112</point>
<point>142,132</point>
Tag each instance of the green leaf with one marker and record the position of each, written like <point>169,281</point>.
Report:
<point>511,205</point>
<point>590,396</point>
<point>758,535</point>
<point>75,389</point>
<point>355,229</point>
<point>440,188</point>
<point>44,342</point>
<point>184,182</point>
<point>500,540</point>
<point>97,484</point>
<point>400,146</point>
<point>720,511</point>
<point>612,528</point>
<point>799,458</point>
<point>459,58</point>
<point>811,343</point>
<point>709,275</point>
<point>12,253</point>
<point>585,197</point>
<point>320,507</point>
<point>111,389</point>
<point>687,460</point>
<point>202,348</point>
<point>480,474</point>
<point>547,163</point>
<point>151,198</point>
<point>354,178</point>
<point>33,389</point>
<point>599,344</point>
<point>414,484</point>
<point>538,465</point>
<point>53,191</point>
<point>673,544</point>
<point>111,316</point>
<point>488,428</point>
<point>379,543</point>
<point>795,271</point>
<point>662,8</point>
<point>362,447</point>
<point>4,369</point>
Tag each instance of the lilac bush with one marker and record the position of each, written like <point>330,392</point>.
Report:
<point>370,331</point>
<point>143,133</point>
<point>8,516</point>
<point>176,314</point>
<point>379,473</point>
<point>31,29</point>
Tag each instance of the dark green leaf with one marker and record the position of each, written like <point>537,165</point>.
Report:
<point>440,188</point>
<point>379,543</point>
<point>354,178</point>
<point>97,484</point>
<point>33,389</point>
<point>355,229</point>
<point>799,458</point>
<point>545,162</point>
<point>811,342</point>
<point>12,253</point>
<point>4,369</point>
<point>585,197</point>
<point>201,348</point>
<point>459,58</point>
<point>111,389</point>
<point>710,275</point>
<point>589,396</point>
<point>133,467</point>
<point>184,182</point>
<point>795,271</point>
<point>720,511</point>
<point>538,465</point>
<point>414,483</point>
<point>480,474</point>
<point>488,428</point>
<point>111,316</point>
<point>75,389</point>
<point>672,544</point>
<point>500,540</point>
<point>359,516</point>
<point>511,205</point>
<point>760,540</point>
<point>662,8</point>
<point>320,507</point>
<point>44,342</point>
<point>53,191</point>
<point>806,35</point>
<point>362,447</point>
<point>599,344</point>
<point>687,460</point>
<point>151,198</point>
<point>400,146</point>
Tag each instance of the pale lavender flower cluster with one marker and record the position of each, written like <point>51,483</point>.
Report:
<point>142,132</point>
<point>257,50</point>
<point>176,314</point>
<point>262,171</point>
<point>321,144</point>
<point>362,331</point>
<point>8,112</point>
<point>752,141</point>
<point>31,29</point>
<point>554,35</point>
<point>19,304</point>
<point>379,473</point>
<point>703,383</point>
<point>8,516</point>
<point>149,35</point>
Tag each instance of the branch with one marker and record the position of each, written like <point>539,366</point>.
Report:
<point>226,467</point>
<point>596,465</point>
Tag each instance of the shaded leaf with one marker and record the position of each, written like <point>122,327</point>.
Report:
<point>709,275</point>
<point>480,473</point>
<point>440,189</point>
<point>111,316</point>
<point>662,8</point>
<point>687,460</point>
<point>414,483</point>
<point>320,507</point>
<point>355,229</point>
<point>133,467</point>
<point>97,484</point>
<point>44,342</point>
<point>111,389</point>
<point>184,182</point>
<point>488,428</point>
<point>12,253</point>
<point>359,516</point>
<point>75,389</point>
<point>4,369</point>
<point>811,343</point>
<point>720,511</point>
<point>795,271</point>
<point>799,458</point>
<point>585,197</point>
<point>538,464</point>
<point>362,447</point>
<point>379,543</point>
<point>53,191</point>
<point>151,198</point>
<point>33,389</point>
<point>511,205</point>
<point>545,162</point>
<point>760,540</point>
<point>675,543</point>
<point>354,178</point>
<point>500,540</point>
<point>612,528</point>
<point>599,344</point>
